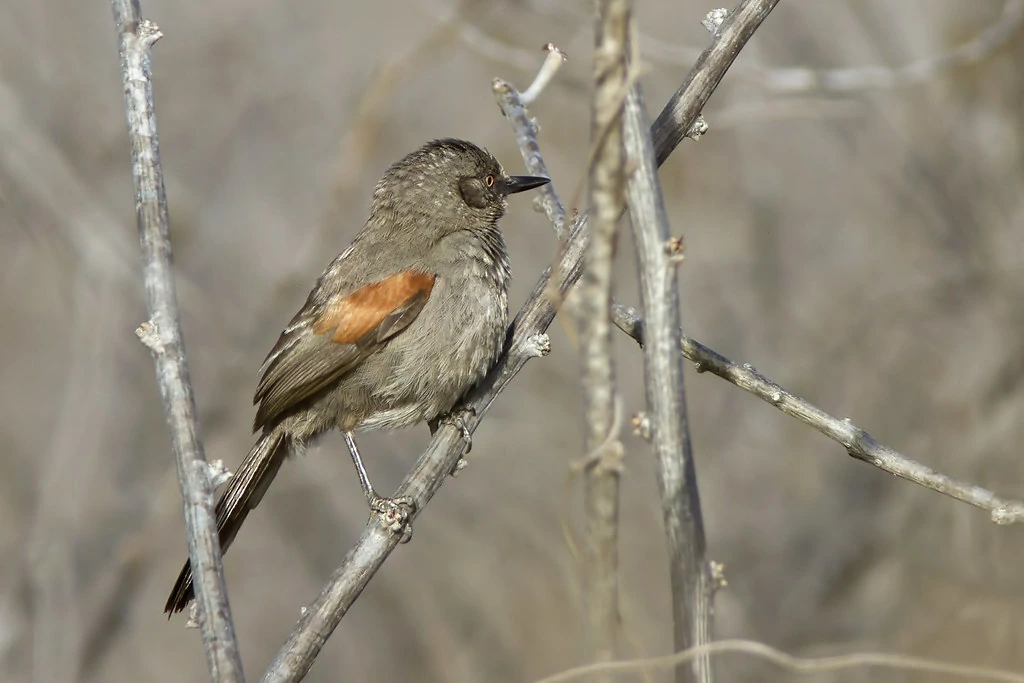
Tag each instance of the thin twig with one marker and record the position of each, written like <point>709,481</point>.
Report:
<point>603,461</point>
<point>552,64</point>
<point>856,79</point>
<point>857,442</point>
<point>675,120</point>
<point>1002,510</point>
<point>798,665</point>
<point>321,618</point>
<point>689,571</point>
<point>162,334</point>
<point>525,129</point>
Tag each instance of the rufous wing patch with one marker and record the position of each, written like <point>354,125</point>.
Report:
<point>350,318</point>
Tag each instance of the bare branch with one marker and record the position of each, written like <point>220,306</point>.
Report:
<point>552,63</point>
<point>678,116</point>
<point>657,254</point>
<point>1003,511</point>
<point>857,442</point>
<point>526,138</point>
<point>604,451</point>
<point>797,665</point>
<point>856,79</point>
<point>321,618</point>
<point>162,334</point>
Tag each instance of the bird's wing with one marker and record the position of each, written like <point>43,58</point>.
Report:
<point>320,345</point>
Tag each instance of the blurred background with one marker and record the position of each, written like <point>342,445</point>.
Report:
<point>863,248</point>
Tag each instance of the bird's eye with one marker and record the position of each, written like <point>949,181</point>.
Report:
<point>489,181</point>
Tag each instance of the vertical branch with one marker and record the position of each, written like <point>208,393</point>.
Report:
<point>666,401</point>
<point>604,451</point>
<point>162,334</point>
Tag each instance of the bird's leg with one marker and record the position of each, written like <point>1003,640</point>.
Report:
<point>395,512</point>
<point>457,419</point>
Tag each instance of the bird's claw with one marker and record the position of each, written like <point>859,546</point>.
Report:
<point>457,419</point>
<point>395,514</point>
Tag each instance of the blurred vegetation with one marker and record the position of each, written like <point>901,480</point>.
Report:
<point>864,249</point>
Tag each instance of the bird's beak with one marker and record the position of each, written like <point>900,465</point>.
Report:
<point>522,183</point>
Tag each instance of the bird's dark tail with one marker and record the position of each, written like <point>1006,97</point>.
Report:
<point>244,492</point>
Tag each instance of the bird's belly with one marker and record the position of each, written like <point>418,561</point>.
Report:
<point>450,346</point>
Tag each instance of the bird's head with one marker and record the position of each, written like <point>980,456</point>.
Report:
<point>450,185</point>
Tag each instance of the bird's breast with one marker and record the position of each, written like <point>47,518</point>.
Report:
<point>421,373</point>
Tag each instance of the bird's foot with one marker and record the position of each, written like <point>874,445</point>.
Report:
<point>457,419</point>
<point>395,514</point>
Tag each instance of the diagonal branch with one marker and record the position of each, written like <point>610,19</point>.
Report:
<point>795,80</point>
<point>683,108</point>
<point>857,442</point>
<point>162,334</point>
<point>320,619</point>
<point>526,340</point>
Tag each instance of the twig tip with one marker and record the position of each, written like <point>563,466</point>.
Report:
<point>552,48</point>
<point>500,86</point>
<point>552,63</point>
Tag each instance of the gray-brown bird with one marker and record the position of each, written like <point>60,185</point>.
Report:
<point>396,330</point>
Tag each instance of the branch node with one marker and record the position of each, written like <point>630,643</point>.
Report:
<point>713,21</point>
<point>699,127</point>
<point>396,518</point>
<point>537,345</point>
<point>149,33</point>
<point>675,247</point>
<point>193,615</point>
<point>642,425</point>
<point>218,473</point>
<point>718,580</point>
<point>700,366</point>
<point>149,334</point>
<point>776,397</point>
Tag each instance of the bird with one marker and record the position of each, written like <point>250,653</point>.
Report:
<point>397,328</point>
